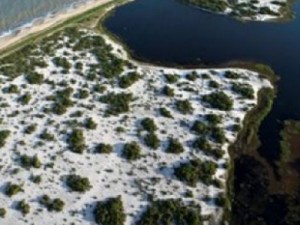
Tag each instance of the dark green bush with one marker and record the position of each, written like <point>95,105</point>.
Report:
<point>117,103</point>
<point>213,119</point>
<point>192,76</point>
<point>30,162</point>
<point>152,141</point>
<point>148,124</point>
<point>110,212</point>
<point>46,136</point>
<point>90,124</point>
<point>11,89</point>
<point>2,212</point>
<point>218,135</point>
<point>245,90</point>
<point>171,78</point>
<point>166,90</point>
<point>184,106</point>
<point>219,100</point>
<point>34,78</point>
<point>165,112</point>
<point>82,94</point>
<point>30,129</point>
<point>174,146</point>
<point>103,148</point>
<point>129,79</point>
<point>231,75</point>
<point>52,204</point>
<point>170,212</point>
<point>131,151</point>
<point>76,141</point>
<point>24,99</point>
<point>193,171</point>
<point>23,207</point>
<point>77,183</point>
<point>213,84</point>
<point>4,134</point>
<point>12,189</point>
<point>202,144</point>
<point>200,127</point>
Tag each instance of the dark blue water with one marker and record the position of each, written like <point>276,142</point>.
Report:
<point>166,31</point>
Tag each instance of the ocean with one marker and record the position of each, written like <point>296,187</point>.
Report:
<point>15,14</point>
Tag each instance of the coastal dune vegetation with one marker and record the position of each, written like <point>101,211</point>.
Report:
<point>87,134</point>
<point>256,10</point>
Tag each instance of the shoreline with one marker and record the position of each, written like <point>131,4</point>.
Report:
<point>49,21</point>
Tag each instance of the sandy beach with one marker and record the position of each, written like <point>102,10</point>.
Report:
<point>15,37</point>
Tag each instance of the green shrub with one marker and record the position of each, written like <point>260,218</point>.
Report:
<point>62,100</point>
<point>231,75</point>
<point>62,62</point>
<point>219,100</point>
<point>46,136</point>
<point>77,183</point>
<point>169,212</point>
<point>34,78</point>
<point>212,5</point>
<point>103,148</point>
<point>90,124</point>
<point>30,129</point>
<point>213,119</point>
<point>213,84</point>
<point>82,94</point>
<point>59,109</point>
<point>110,212</point>
<point>4,134</point>
<point>152,141</point>
<point>184,106</point>
<point>200,127</point>
<point>36,179</point>
<point>2,212</point>
<point>99,88</point>
<point>193,171</point>
<point>52,204</point>
<point>30,162</point>
<point>171,78</point>
<point>117,103</point>
<point>129,79</point>
<point>11,89</point>
<point>76,141</point>
<point>245,90</point>
<point>148,124</point>
<point>218,135</point>
<point>131,151</point>
<point>24,99</point>
<point>167,91</point>
<point>174,146</point>
<point>23,207</point>
<point>165,112</point>
<point>192,76</point>
<point>12,189</point>
<point>202,144</point>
